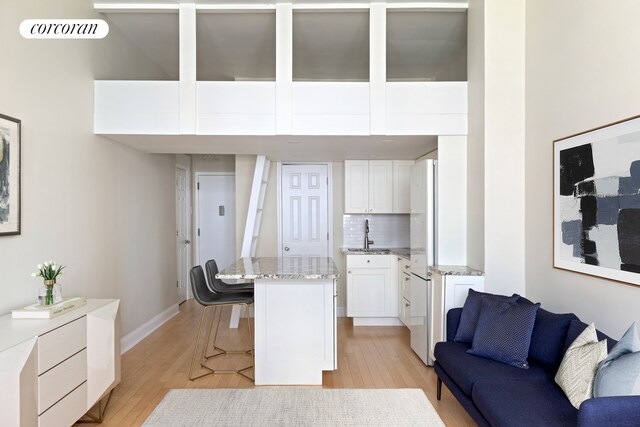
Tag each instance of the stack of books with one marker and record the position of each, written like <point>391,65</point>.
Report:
<point>37,311</point>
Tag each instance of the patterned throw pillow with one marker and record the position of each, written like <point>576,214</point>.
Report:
<point>504,331</point>
<point>619,374</point>
<point>578,367</point>
<point>471,313</point>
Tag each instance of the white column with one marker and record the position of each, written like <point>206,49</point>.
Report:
<point>284,68</point>
<point>187,24</point>
<point>378,69</point>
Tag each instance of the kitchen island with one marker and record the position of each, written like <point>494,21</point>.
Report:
<point>294,315</point>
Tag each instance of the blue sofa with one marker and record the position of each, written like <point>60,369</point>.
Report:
<point>496,394</point>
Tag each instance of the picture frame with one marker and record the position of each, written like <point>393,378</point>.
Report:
<point>10,182</point>
<point>596,202</point>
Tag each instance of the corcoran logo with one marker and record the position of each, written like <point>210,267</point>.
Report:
<point>64,29</point>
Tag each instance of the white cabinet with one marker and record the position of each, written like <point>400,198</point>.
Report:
<point>404,290</point>
<point>53,371</point>
<point>449,291</point>
<point>368,186</point>
<point>372,289</point>
<point>402,185</point>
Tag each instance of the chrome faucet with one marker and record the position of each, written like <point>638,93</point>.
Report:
<point>367,242</point>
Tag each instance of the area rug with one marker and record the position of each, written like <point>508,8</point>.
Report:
<point>295,407</point>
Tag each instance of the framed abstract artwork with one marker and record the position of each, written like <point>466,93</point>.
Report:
<point>9,176</point>
<point>596,203</point>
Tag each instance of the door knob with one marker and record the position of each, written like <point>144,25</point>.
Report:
<point>286,248</point>
<point>187,242</point>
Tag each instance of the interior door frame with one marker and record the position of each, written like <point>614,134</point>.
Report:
<point>196,209</point>
<point>329,202</point>
<point>189,192</point>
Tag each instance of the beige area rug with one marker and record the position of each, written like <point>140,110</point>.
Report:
<point>295,407</point>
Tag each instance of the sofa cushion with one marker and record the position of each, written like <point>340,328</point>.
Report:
<point>504,331</point>
<point>579,364</point>
<point>576,327</point>
<point>466,369</point>
<point>619,373</point>
<point>471,313</point>
<point>548,338</point>
<point>522,403</point>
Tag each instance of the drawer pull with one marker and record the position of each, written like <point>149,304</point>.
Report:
<point>406,279</point>
<point>407,267</point>
<point>407,304</point>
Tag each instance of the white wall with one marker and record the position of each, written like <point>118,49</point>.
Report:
<point>582,71</point>
<point>104,210</point>
<point>475,139</point>
<point>497,129</point>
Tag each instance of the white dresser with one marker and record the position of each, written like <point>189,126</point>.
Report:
<point>52,371</point>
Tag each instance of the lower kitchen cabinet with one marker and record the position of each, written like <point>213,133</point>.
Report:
<point>404,291</point>
<point>372,290</point>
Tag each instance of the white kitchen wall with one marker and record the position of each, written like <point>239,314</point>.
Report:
<point>104,210</point>
<point>387,231</point>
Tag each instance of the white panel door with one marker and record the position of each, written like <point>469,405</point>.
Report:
<point>305,213</point>
<point>381,186</point>
<point>216,219</point>
<point>182,234</point>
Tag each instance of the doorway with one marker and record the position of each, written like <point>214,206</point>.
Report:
<point>216,218</point>
<point>305,203</point>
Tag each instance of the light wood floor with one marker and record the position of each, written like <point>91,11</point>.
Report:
<point>368,357</point>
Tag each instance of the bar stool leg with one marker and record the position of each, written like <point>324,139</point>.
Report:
<point>195,348</point>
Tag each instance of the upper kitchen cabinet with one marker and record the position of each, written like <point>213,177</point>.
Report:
<point>377,186</point>
<point>402,186</point>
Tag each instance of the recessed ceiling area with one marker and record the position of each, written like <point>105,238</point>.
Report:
<point>236,46</point>
<point>426,45</point>
<point>331,46</point>
<point>287,148</point>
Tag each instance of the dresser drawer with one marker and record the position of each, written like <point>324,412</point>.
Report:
<point>57,382</point>
<point>67,411</point>
<point>405,286</point>
<point>370,261</point>
<point>61,343</point>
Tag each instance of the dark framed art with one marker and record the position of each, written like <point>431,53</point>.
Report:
<point>596,202</point>
<point>9,176</point>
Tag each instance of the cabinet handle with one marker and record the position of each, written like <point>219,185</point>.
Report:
<point>366,210</point>
<point>408,266</point>
<point>368,261</point>
<point>349,272</point>
<point>406,279</point>
<point>370,210</point>
<point>407,304</point>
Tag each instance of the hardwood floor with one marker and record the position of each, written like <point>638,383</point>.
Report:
<point>368,357</point>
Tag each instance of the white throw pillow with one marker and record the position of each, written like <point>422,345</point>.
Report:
<point>579,364</point>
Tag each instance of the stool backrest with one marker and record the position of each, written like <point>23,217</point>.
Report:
<point>199,285</point>
<point>216,285</point>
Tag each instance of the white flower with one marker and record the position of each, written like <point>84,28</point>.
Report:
<point>34,275</point>
<point>39,266</point>
<point>53,267</point>
<point>46,264</point>
<point>51,262</point>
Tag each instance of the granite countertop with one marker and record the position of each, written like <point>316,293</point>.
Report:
<point>455,270</point>
<point>401,252</point>
<point>281,268</point>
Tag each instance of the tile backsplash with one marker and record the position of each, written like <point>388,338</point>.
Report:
<point>387,231</point>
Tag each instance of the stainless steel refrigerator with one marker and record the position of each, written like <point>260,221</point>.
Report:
<point>423,254</point>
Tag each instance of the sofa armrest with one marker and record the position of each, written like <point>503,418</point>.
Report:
<point>453,319</point>
<point>619,411</point>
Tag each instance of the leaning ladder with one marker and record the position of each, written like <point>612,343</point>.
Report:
<point>254,217</point>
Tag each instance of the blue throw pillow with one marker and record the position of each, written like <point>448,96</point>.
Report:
<point>471,313</point>
<point>504,331</point>
<point>619,373</point>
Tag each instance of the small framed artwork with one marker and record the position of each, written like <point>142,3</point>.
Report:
<point>596,203</point>
<point>9,175</point>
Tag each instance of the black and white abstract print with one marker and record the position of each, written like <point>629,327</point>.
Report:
<point>4,175</point>
<point>598,203</point>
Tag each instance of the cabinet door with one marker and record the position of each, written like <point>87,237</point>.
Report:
<point>381,186</point>
<point>367,292</point>
<point>402,185</point>
<point>356,186</point>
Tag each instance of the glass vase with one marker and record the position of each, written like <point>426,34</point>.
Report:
<point>45,296</point>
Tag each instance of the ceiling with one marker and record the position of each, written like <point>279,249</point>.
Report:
<point>287,148</point>
<point>328,45</point>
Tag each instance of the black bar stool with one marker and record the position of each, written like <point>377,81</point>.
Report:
<point>217,301</point>
<point>218,285</point>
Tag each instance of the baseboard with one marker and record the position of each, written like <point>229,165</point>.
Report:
<point>134,337</point>
<point>377,321</point>
<point>340,312</point>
